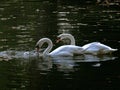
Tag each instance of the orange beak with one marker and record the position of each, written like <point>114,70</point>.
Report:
<point>58,40</point>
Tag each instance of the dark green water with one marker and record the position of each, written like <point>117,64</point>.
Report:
<point>23,23</point>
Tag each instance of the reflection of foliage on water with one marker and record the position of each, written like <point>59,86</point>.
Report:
<point>13,75</point>
<point>22,23</point>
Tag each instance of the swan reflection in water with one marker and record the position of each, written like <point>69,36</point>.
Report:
<point>60,63</point>
<point>63,57</point>
<point>67,64</point>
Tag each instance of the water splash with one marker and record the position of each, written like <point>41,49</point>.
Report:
<point>11,54</point>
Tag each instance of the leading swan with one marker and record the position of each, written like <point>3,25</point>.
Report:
<point>65,50</point>
<point>94,48</point>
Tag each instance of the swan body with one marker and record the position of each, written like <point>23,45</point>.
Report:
<point>90,48</point>
<point>96,48</point>
<point>65,50</point>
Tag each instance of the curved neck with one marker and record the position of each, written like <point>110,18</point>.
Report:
<point>72,39</point>
<point>49,47</point>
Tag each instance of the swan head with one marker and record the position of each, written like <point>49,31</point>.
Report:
<point>40,43</point>
<point>66,36</point>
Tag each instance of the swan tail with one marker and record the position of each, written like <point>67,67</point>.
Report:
<point>114,50</point>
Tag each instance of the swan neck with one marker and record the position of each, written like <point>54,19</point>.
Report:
<point>72,40</point>
<point>49,47</point>
<point>41,42</point>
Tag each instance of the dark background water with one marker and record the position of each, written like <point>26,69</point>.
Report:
<point>23,23</point>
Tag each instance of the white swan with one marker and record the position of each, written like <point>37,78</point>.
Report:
<point>66,36</point>
<point>65,50</point>
<point>94,48</point>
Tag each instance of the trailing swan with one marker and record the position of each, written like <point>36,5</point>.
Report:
<point>94,48</point>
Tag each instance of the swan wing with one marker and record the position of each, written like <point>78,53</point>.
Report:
<point>97,48</point>
<point>67,50</point>
<point>90,45</point>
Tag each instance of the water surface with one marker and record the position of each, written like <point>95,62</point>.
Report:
<point>23,23</point>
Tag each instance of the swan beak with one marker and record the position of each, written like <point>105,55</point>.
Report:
<point>58,40</point>
<point>37,48</point>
